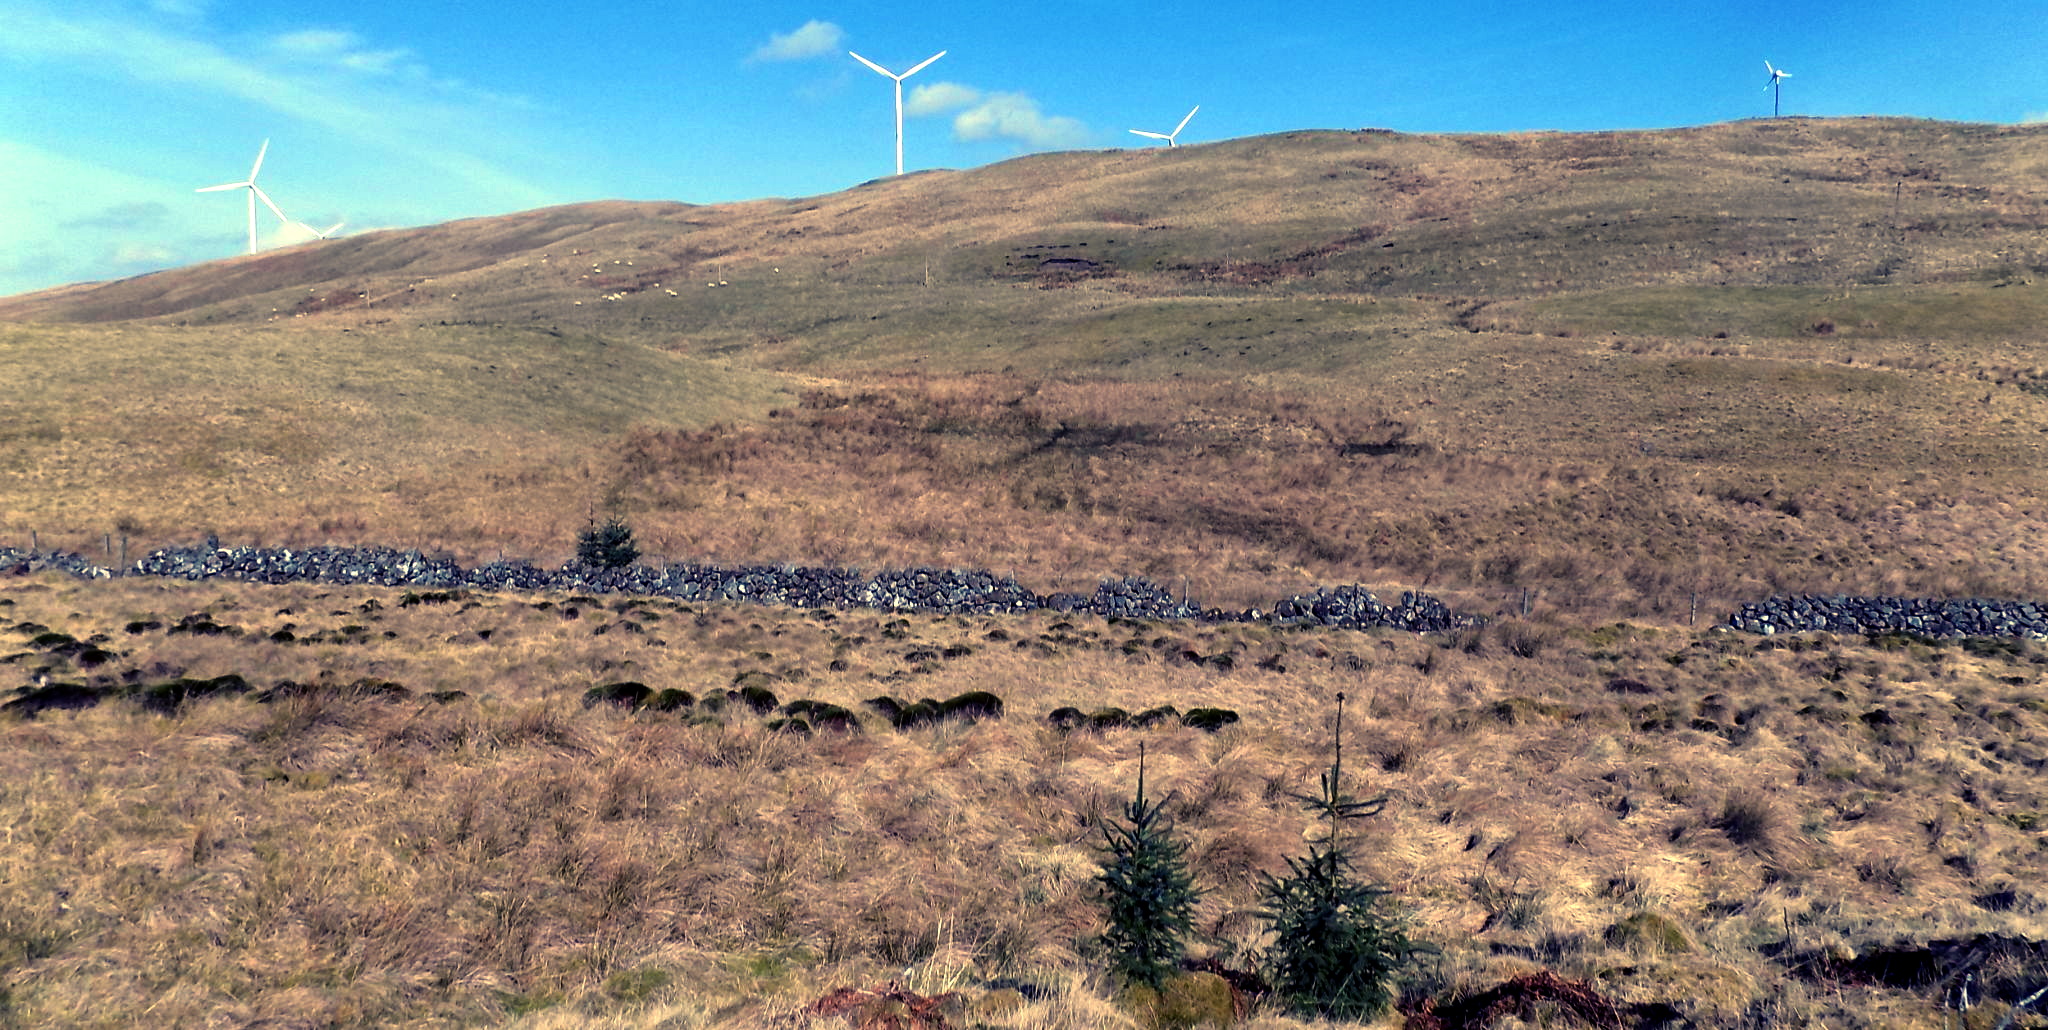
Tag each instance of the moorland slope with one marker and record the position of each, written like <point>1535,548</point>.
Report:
<point>1594,383</point>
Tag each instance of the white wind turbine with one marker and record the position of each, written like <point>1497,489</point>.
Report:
<point>1778,75</point>
<point>255,192</point>
<point>323,234</point>
<point>899,95</point>
<point>1170,137</point>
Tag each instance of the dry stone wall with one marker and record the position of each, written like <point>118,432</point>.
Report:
<point>950,591</point>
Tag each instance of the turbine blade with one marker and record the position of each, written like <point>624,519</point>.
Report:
<point>1184,121</point>
<point>332,229</point>
<point>926,64</point>
<point>1149,135</point>
<point>258,166</point>
<point>269,203</point>
<point>222,186</point>
<point>871,64</point>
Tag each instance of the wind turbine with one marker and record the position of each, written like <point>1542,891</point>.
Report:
<point>1778,75</point>
<point>255,192</point>
<point>1169,137</point>
<point>899,95</point>
<point>323,234</point>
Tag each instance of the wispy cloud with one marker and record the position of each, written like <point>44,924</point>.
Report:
<point>1017,116</point>
<point>2033,117</point>
<point>814,39</point>
<point>324,77</point>
<point>122,217</point>
<point>341,49</point>
<point>986,116</point>
<point>939,98</point>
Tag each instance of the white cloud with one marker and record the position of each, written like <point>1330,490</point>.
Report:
<point>343,49</point>
<point>316,42</point>
<point>815,39</point>
<point>312,81</point>
<point>2033,117</point>
<point>126,254</point>
<point>939,98</point>
<point>1016,116</point>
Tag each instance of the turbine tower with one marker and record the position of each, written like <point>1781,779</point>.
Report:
<point>1170,137</point>
<point>255,192</point>
<point>1778,75</point>
<point>899,95</point>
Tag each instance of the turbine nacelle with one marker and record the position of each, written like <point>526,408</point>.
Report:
<point>920,66</point>
<point>1171,138</point>
<point>1778,75</point>
<point>255,193</point>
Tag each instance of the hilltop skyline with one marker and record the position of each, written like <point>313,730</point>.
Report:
<point>395,115</point>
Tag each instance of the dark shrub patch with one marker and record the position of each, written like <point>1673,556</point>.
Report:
<point>143,626</point>
<point>885,706</point>
<point>65,697</point>
<point>167,697</point>
<point>917,713</point>
<point>671,700</point>
<point>760,699</point>
<point>430,597</point>
<point>1064,719</point>
<point>793,727</point>
<point>1209,720</point>
<point>1155,716</point>
<point>626,694</point>
<point>973,706</point>
<point>442,697</point>
<point>1108,718</point>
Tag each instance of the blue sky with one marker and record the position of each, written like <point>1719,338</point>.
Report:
<point>384,113</point>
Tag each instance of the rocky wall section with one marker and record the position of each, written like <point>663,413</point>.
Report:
<point>949,591</point>
<point>1874,616</point>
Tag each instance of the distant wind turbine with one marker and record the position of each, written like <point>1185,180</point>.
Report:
<point>1171,137</point>
<point>255,192</point>
<point>323,234</point>
<point>1778,75</point>
<point>899,95</point>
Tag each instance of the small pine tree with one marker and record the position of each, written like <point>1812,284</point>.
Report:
<point>1147,891</point>
<point>1337,951</point>
<point>608,545</point>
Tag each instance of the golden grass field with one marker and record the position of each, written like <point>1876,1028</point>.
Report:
<point>1630,380</point>
<point>343,857</point>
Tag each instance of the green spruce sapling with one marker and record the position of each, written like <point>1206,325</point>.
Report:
<point>1146,891</point>
<point>607,545</point>
<point>1337,950</point>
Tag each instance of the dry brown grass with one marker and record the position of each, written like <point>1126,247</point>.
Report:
<point>1618,379</point>
<point>339,857</point>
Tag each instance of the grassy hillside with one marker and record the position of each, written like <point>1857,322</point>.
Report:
<point>1624,381</point>
<point>1713,824</point>
<point>1617,369</point>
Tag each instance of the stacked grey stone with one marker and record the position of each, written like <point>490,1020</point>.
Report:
<point>1354,607</point>
<point>949,591</point>
<point>1135,597</point>
<point>1867,616</point>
